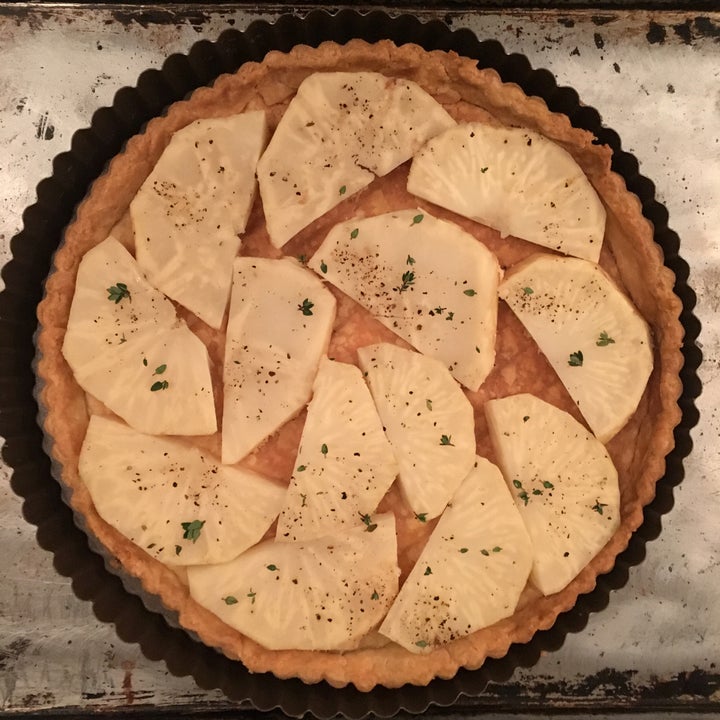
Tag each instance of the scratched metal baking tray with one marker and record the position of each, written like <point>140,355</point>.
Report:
<point>137,620</point>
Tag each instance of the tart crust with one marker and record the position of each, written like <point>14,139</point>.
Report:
<point>630,255</point>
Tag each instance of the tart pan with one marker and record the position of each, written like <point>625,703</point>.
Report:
<point>118,598</point>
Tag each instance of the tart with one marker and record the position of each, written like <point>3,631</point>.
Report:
<point>628,258</point>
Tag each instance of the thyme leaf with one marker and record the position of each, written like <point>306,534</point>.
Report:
<point>191,530</point>
<point>306,307</point>
<point>604,340</point>
<point>118,292</point>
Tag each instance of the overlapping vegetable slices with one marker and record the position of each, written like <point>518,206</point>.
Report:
<point>127,348</point>
<point>189,213</point>
<point>428,420</point>
<point>344,465</point>
<point>425,279</point>
<point>279,326</point>
<point>514,180</point>
<point>472,570</point>
<point>340,131</point>
<point>563,482</point>
<point>320,594</point>
<point>330,576</point>
<point>171,499</point>
<point>594,338</point>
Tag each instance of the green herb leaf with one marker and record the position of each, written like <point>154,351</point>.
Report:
<point>251,595</point>
<point>160,369</point>
<point>301,468</point>
<point>410,260</point>
<point>598,507</point>
<point>375,595</point>
<point>428,404</point>
<point>422,517</point>
<point>524,496</point>
<point>323,266</point>
<point>604,340</point>
<point>428,571</point>
<point>517,484</point>
<point>324,449</point>
<point>145,362</point>
<point>450,316</point>
<point>304,499</point>
<point>483,170</point>
<point>230,600</point>
<point>191,530</point>
<point>354,233</point>
<point>343,190</point>
<point>576,359</point>
<point>370,526</point>
<point>303,259</point>
<point>159,385</point>
<point>446,440</point>
<point>485,552</point>
<point>537,492</point>
<point>469,292</point>
<point>463,550</point>
<point>527,291</point>
<point>118,292</point>
<point>272,567</point>
<point>497,549</point>
<point>421,644</point>
<point>418,219</point>
<point>547,484</point>
<point>306,307</point>
<point>408,279</point>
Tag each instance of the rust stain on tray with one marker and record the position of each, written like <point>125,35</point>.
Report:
<point>147,17</point>
<point>690,30</point>
<point>128,666</point>
<point>13,651</point>
<point>610,688</point>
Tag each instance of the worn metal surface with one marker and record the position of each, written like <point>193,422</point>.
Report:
<point>654,77</point>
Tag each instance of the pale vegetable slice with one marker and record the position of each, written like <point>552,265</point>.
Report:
<point>344,465</point>
<point>159,383</point>
<point>127,348</point>
<point>594,338</point>
<point>426,279</point>
<point>563,481</point>
<point>472,570</point>
<point>320,594</point>
<point>280,321</point>
<point>175,502</point>
<point>339,132</point>
<point>428,421</point>
<point>188,214</point>
<point>515,181</point>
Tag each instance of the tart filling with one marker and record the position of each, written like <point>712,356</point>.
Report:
<point>327,573</point>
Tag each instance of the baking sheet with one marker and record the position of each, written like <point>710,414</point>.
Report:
<point>654,78</point>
